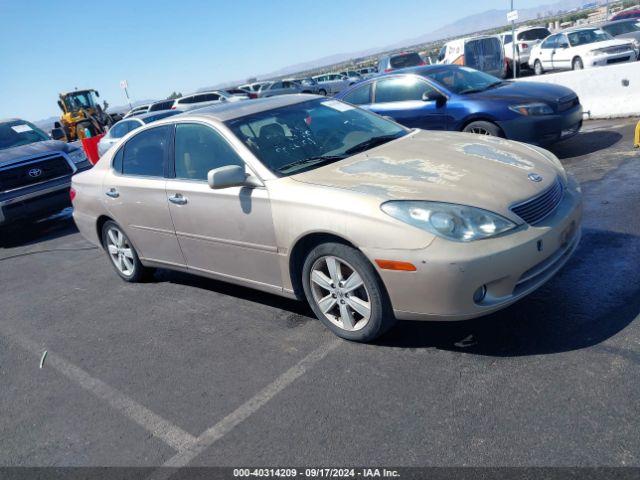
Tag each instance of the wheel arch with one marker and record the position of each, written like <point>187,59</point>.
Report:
<point>480,117</point>
<point>299,252</point>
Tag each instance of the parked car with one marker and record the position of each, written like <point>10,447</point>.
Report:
<point>626,14</point>
<point>127,125</point>
<point>137,110</point>
<point>580,48</point>
<point>203,99</point>
<point>237,92</point>
<point>625,30</point>
<point>162,105</point>
<point>388,63</point>
<point>352,75</point>
<point>282,194</point>
<point>309,85</point>
<point>448,97</point>
<point>367,72</point>
<point>281,87</point>
<point>252,87</point>
<point>526,39</point>
<point>484,53</point>
<point>35,172</point>
<point>331,83</point>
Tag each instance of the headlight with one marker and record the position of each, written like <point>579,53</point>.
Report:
<point>77,156</point>
<point>527,109</point>
<point>591,53</point>
<point>447,220</point>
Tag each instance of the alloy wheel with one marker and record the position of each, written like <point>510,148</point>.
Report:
<point>480,131</point>
<point>340,293</point>
<point>120,251</point>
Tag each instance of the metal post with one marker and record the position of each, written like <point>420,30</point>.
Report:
<point>126,94</point>
<point>513,44</point>
<point>606,18</point>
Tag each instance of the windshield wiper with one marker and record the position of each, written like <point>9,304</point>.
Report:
<point>310,161</point>
<point>476,90</point>
<point>372,142</point>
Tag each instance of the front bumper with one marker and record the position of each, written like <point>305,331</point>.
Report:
<point>603,60</point>
<point>544,129</point>
<point>510,266</point>
<point>38,201</point>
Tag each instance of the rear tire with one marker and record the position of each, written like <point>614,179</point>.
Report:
<point>122,254</point>
<point>345,292</point>
<point>482,127</point>
<point>322,92</point>
<point>537,68</point>
<point>577,64</point>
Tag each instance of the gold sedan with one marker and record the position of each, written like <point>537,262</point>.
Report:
<point>312,198</point>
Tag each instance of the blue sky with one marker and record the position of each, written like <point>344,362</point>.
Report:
<point>161,46</point>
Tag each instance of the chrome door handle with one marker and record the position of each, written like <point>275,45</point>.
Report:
<point>178,199</point>
<point>112,192</point>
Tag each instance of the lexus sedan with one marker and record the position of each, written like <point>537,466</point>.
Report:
<point>450,97</point>
<point>312,198</point>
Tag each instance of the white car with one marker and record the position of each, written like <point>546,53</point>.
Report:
<point>137,110</point>
<point>526,39</point>
<point>204,99</point>
<point>331,83</point>
<point>580,48</point>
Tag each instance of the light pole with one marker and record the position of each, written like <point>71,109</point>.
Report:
<point>513,44</point>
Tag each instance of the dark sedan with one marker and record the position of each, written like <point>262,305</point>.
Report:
<point>449,97</point>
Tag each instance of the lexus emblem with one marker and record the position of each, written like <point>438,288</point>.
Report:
<point>35,172</point>
<point>534,177</point>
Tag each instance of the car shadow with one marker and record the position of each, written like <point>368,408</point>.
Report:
<point>21,235</point>
<point>585,143</point>
<point>595,296</point>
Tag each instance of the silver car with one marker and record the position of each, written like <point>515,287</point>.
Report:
<point>312,198</point>
<point>332,83</point>
<point>126,125</point>
<point>204,99</point>
<point>280,87</point>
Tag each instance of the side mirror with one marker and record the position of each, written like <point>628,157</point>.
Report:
<point>434,96</point>
<point>58,134</point>
<point>231,176</point>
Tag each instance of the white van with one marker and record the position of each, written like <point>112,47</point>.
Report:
<point>482,53</point>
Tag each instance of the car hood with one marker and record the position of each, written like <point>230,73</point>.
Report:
<point>15,154</point>
<point>526,91</point>
<point>605,44</point>
<point>468,169</point>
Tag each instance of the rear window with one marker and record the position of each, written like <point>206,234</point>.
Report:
<point>534,34</point>
<point>406,60</point>
<point>621,28</point>
<point>359,96</point>
<point>166,105</point>
<point>145,153</point>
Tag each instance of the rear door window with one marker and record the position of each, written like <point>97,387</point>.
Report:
<point>359,96</point>
<point>145,154</point>
<point>535,34</point>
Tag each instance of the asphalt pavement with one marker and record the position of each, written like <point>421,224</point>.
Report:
<point>188,371</point>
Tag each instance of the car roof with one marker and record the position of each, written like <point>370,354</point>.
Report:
<point>151,114</point>
<point>620,20</point>
<point>14,119</point>
<point>229,111</point>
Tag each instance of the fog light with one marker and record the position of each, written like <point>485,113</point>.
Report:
<point>479,294</point>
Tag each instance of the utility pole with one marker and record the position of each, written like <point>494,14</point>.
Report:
<point>124,85</point>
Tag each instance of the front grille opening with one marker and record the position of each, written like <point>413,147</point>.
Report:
<point>32,172</point>
<point>541,206</point>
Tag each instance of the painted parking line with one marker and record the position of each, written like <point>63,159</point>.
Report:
<point>244,411</point>
<point>160,428</point>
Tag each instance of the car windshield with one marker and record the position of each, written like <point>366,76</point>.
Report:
<point>621,28</point>
<point>19,132</point>
<point>463,80</point>
<point>583,37</point>
<point>306,135</point>
<point>406,60</point>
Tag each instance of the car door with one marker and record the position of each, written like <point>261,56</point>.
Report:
<point>135,195</point>
<point>401,98</point>
<point>227,232</point>
<point>562,54</point>
<point>547,50</point>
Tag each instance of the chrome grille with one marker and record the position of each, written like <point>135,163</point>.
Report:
<point>539,207</point>
<point>42,169</point>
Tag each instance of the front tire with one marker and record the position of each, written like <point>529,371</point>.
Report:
<point>537,67</point>
<point>122,255</point>
<point>345,292</point>
<point>322,92</point>
<point>483,128</point>
<point>577,64</point>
